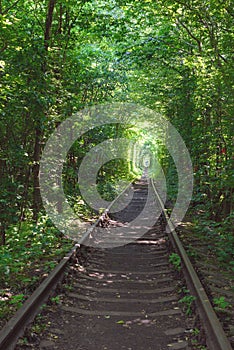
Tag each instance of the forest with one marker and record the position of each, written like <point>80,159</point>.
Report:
<point>60,56</point>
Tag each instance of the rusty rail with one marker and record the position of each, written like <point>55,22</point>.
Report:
<point>15,327</point>
<point>215,335</point>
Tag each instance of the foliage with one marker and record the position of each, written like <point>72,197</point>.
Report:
<point>56,299</point>
<point>221,303</point>
<point>60,56</point>
<point>175,260</point>
<point>187,300</point>
<point>29,253</point>
<point>173,57</point>
<point>221,236</point>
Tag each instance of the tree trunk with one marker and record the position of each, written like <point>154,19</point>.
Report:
<point>38,133</point>
<point>2,235</point>
<point>48,25</point>
<point>36,166</point>
<point>60,19</point>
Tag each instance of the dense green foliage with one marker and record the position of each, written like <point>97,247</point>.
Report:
<point>58,56</point>
<point>29,254</point>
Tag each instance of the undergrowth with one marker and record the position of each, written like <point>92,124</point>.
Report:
<point>28,256</point>
<point>220,235</point>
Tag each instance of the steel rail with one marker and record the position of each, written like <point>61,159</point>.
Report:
<point>26,314</point>
<point>215,336</point>
<point>16,326</point>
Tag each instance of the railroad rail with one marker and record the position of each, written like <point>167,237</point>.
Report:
<point>103,287</point>
<point>216,337</point>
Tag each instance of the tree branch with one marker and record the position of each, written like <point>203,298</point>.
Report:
<point>191,35</point>
<point>9,8</point>
<point>223,58</point>
<point>4,47</point>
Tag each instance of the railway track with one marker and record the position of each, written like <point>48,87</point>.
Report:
<point>123,297</point>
